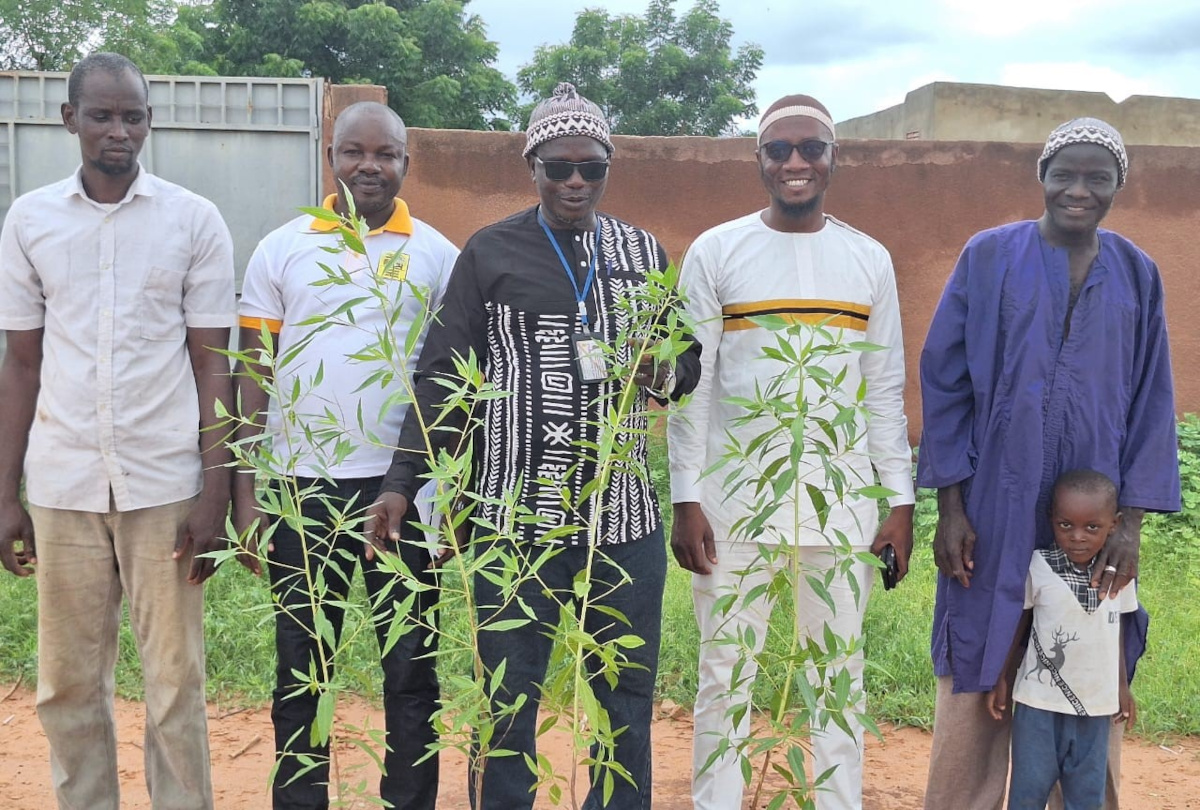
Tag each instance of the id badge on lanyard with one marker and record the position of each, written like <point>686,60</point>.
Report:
<point>590,361</point>
<point>587,347</point>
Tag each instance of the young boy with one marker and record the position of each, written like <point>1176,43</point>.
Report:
<point>1072,665</point>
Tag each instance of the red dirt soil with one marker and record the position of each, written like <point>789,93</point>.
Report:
<point>1155,777</point>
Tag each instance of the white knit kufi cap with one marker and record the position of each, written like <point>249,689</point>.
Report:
<point>1085,130</point>
<point>564,114</point>
<point>793,112</point>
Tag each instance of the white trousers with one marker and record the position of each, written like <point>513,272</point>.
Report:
<point>740,569</point>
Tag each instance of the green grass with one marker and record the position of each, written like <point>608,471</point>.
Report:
<point>899,679</point>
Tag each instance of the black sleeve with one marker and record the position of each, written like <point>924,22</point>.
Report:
<point>687,365</point>
<point>687,370</point>
<point>458,331</point>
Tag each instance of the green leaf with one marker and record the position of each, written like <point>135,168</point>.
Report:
<point>501,625</point>
<point>321,213</point>
<point>323,724</point>
<point>876,492</point>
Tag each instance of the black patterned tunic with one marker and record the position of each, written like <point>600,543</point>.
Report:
<point>509,300</point>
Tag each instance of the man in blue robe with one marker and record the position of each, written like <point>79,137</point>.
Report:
<point>1048,352</point>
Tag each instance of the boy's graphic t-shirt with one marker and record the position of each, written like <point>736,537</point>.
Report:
<point>1071,662</point>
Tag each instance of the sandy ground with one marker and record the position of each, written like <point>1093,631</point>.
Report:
<point>1156,777</point>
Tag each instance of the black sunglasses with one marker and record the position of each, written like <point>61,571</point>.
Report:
<point>589,170</point>
<point>811,150</point>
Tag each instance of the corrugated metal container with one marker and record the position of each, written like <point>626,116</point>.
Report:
<point>251,145</point>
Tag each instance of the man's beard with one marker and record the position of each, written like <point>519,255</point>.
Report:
<point>793,210</point>
<point>799,210</point>
<point>115,169</point>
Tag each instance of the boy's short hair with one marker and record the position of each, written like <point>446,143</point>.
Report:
<point>1089,481</point>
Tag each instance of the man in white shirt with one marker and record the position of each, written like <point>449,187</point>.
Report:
<point>794,261</point>
<point>345,402</point>
<point>117,287</point>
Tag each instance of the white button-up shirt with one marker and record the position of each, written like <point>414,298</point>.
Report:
<point>115,286</point>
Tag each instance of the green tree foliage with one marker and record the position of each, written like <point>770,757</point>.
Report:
<point>54,34</point>
<point>434,59</point>
<point>654,74</point>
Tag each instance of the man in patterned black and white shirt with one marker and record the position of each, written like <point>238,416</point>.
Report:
<point>536,297</point>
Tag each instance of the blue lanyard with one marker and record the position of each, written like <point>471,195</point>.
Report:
<point>580,295</point>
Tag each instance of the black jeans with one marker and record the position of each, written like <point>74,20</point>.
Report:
<point>410,687</point>
<point>507,780</point>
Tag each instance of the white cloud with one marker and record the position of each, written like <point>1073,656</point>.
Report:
<point>889,49</point>
<point>1078,76</point>
<point>990,18</point>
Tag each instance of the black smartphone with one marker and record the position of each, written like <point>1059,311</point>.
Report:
<point>889,567</point>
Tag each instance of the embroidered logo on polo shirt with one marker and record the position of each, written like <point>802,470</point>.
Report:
<point>393,266</point>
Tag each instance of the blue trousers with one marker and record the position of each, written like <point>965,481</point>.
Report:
<point>1049,747</point>
<point>410,687</point>
<point>508,782</point>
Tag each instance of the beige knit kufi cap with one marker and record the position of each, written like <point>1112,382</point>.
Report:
<point>1085,130</point>
<point>564,114</point>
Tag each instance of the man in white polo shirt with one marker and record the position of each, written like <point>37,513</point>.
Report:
<point>116,283</point>
<point>407,264</point>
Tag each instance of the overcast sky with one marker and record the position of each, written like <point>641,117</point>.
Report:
<point>859,56</point>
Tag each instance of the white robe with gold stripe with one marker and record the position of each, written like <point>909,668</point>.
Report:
<point>837,278</point>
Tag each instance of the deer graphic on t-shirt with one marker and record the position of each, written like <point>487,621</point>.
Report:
<point>1053,662</point>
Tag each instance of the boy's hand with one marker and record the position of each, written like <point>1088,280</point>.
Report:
<point>1127,714</point>
<point>997,700</point>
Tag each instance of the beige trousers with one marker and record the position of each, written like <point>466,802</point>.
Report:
<point>968,764</point>
<point>86,562</point>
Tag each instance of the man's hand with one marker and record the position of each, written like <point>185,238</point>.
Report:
<point>1117,563</point>
<point>16,529</point>
<point>656,376</point>
<point>954,539</point>
<point>203,531</point>
<point>692,538</point>
<point>449,551</point>
<point>649,373</point>
<point>997,700</point>
<point>461,536</point>
<point>249,521</point>
<point>383,522</point>
<point>897,532</point>
<point>20,381</point>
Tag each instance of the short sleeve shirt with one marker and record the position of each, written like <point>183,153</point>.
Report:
<point>342,395</point>
<point>1071,665</point>
<point>115,287</point>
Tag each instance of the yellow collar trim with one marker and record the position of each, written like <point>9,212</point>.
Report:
<point>400,221</point>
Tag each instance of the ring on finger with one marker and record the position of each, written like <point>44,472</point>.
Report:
<point>1110,569</point>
